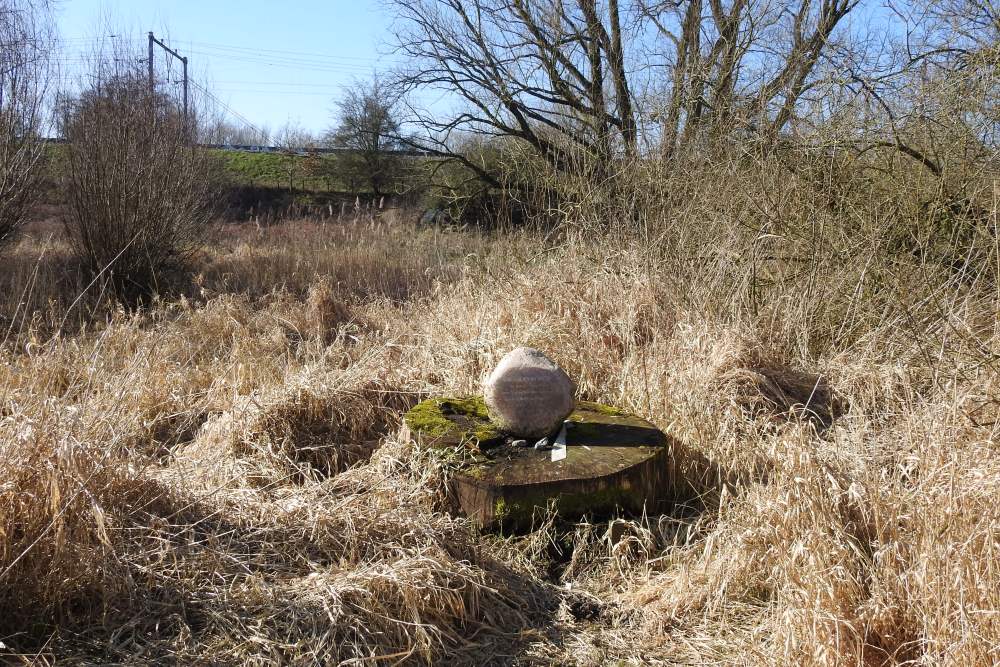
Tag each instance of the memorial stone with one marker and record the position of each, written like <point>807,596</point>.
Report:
<point>528,395</point>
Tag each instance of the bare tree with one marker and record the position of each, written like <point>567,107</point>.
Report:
<point>293,137</point>
<point>930,99</point>
<point>562,75</point>
<point>738,65</point>
<point>551,73</point>
<point>295,140</point>
<point>139,192</point>
<point>25,42</point>
<point>219,131</point>
<point>367,127</point>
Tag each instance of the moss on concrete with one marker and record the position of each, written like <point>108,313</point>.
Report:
<point>600,408</point>
<point>501,510</point>
<point>472,407</point>
<point>486,433</point>
<point>449,422</point>
<point>428,419</point>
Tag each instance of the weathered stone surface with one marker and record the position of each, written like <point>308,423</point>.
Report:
<point>451,422</point>
<point>527,394</point>
<point>613,460</point>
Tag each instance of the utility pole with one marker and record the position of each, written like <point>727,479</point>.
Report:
<point>149,62</point>
<point>152,83</point>
<point>185,61</point>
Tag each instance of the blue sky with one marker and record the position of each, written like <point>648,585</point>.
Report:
<point>273,61</point>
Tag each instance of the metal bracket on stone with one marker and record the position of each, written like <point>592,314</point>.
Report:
<point>559,447</point>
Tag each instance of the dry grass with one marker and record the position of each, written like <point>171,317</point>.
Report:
<point>218,478</point>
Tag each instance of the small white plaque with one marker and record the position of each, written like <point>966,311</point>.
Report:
<point>559,447</point>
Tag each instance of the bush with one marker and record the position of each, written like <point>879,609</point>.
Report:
<point>23,78</point>
<point>139,193</point>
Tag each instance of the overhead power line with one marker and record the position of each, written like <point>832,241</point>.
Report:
<point>239,49</point>
<point>277,92</point>
<point>279,83</point>
<point>234,112</point>
<point>78,53</point>
<point>282,64</point>
<point>230,47</point>
<point>310,65</point>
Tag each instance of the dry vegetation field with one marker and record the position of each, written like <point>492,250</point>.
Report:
<point>772,228</point>
<point>218,478</point>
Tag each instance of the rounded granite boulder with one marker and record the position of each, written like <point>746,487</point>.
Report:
<point>528,395</point>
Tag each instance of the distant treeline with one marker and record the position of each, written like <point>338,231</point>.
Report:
<point>252,148</point>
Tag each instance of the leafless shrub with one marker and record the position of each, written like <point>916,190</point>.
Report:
<point>24,78</point>
<point>139,193</point>
<point>215,129</point>
<point>368,127</point>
